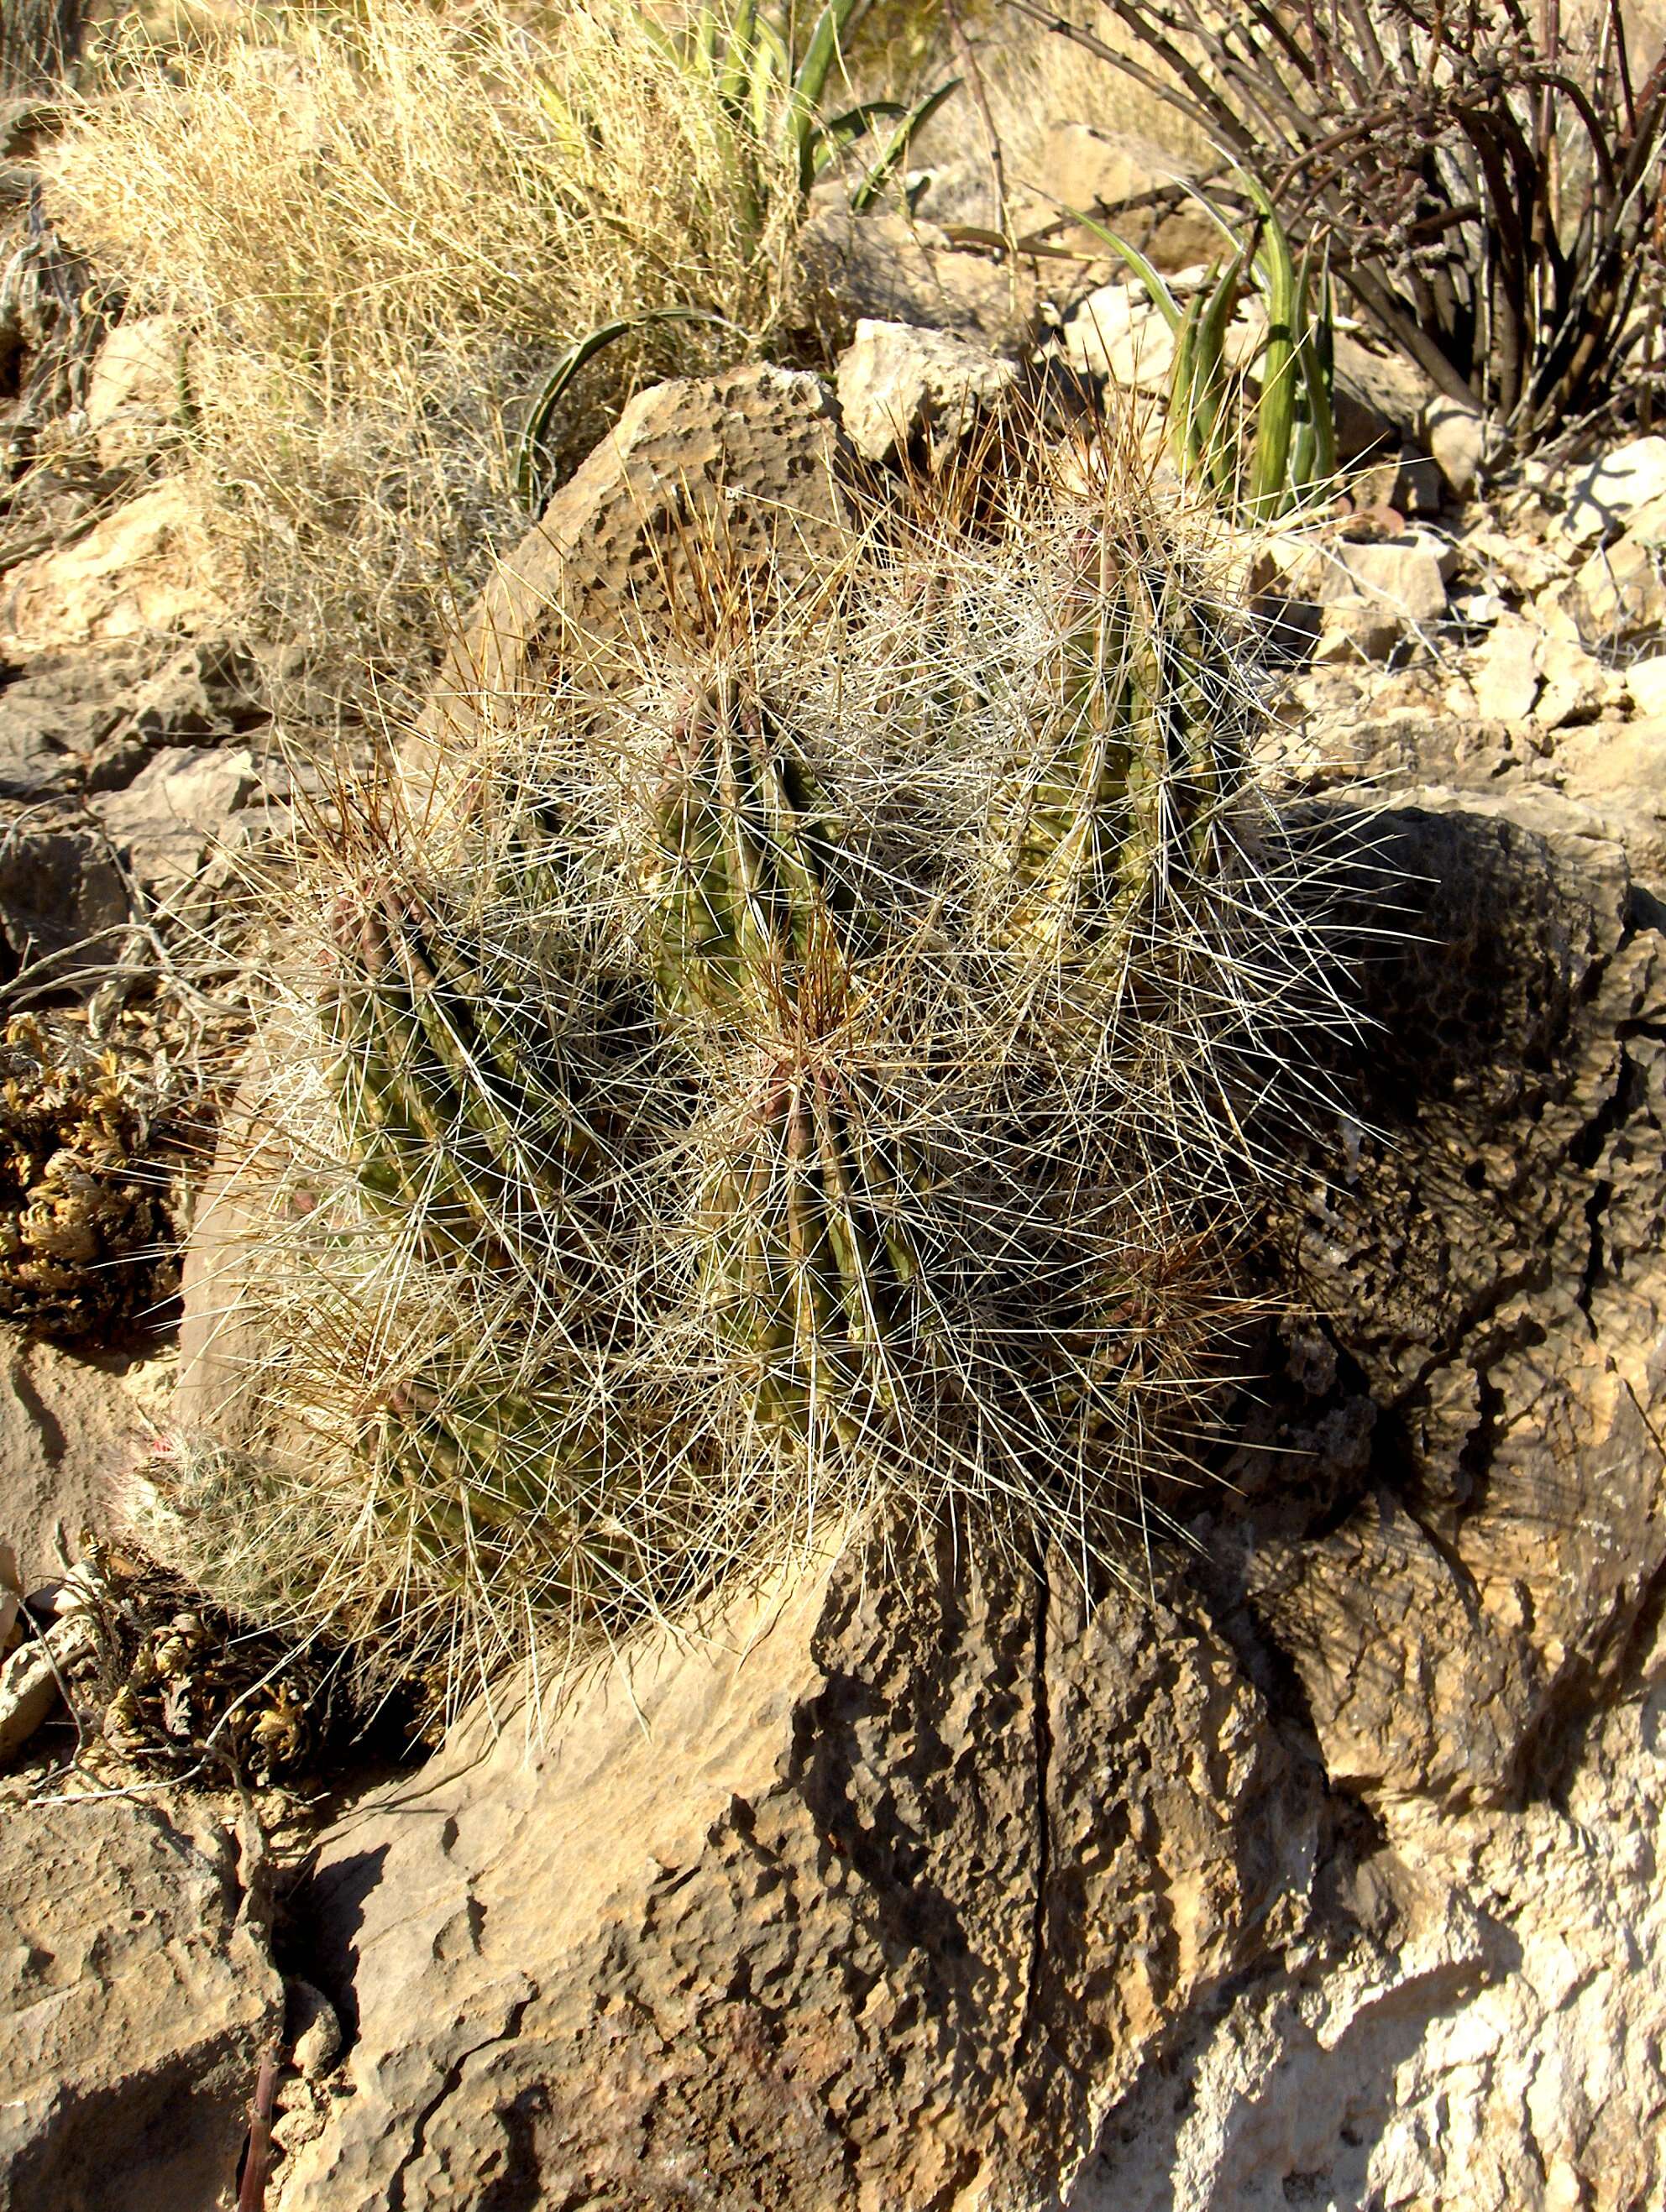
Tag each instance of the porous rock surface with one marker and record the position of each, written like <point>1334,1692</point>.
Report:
<point>743,464</point>
<point>1322,1874</point>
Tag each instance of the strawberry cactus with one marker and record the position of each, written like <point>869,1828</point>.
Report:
<point>826,1067</point>
<point>1115,807</point>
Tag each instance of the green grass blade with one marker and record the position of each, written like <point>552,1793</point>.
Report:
<point>1210,379</point>
<point>894,150</point>
<point>771,75</point>
<point>830,139</point>
<point>1163,299</point>
<point>708,31</point>
<point>1189,424</point>
<point>658,37</point>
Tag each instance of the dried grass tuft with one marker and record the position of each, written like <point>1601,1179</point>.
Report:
<point>383,231</point>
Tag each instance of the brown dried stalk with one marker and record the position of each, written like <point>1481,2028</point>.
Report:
<point>1490,190</point>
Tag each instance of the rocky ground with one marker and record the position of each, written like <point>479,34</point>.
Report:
<point>1322,1872</point>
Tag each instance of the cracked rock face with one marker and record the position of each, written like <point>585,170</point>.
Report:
<point>1492,1262</point>
<point>136,1995</point>
<point>1321,1875</point>
<point>893,1892</point>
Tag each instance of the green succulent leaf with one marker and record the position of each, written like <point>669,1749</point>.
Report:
<point>895,151</point>
<point>532,444</point>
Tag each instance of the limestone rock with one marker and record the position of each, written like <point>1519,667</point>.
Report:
<point>137,1995</point>
<point>1619,596</point>
<point>1406,573</point>
<point>87,718</point>
<point>1467,2060</point>
<point>135,387</point>
<point>1381,398</point>
<point>54,714</point>
<point>882,268</point>
<point>840,1918</point>
<point>1505,675</point>
<point>1576,686</point>
<point>1461,441</point>
<point>150,566</point>
<point>1106,173</point>
<point>1440,1628</point>
<point>896,384</point>
<point>1116,333</point>
<point>1647,682</point>
<point>31,1678</point>
<point>1376,594</point>
<point>31,766</point>
<point>1604,497</point>
<point>178,808</point>
<point>1619,771</point>
<point>70,1429</point>
<point>63,906</point>
<point>1097,323</point>
<point>748,459</point>
<point>207,691</point>
<point>1472,2021</point>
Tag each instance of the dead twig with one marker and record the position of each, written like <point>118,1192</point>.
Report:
<point>257,2158</point>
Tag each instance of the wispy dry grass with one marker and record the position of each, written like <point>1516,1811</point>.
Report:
<point>382,236</point>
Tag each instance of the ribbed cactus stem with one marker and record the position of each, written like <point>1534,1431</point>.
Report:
<point>744,877</point>
<point>757,937</point>
<point>1122,801</point>
<point>448,1110</point>
<point>808,1269</point>
<point>464,1128</point>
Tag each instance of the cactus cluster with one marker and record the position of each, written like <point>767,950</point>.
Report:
<point>826,1066</point>
<point>758,939</point>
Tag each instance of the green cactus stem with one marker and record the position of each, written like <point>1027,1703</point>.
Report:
<point>1117,806</point>
<point>807,1269</point>
<point>747,896</point>
<point>459,1118</point>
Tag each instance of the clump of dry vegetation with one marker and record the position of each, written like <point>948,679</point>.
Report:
<point>382,230</point>
<point>1486,179</point>
<point>92,1136</point>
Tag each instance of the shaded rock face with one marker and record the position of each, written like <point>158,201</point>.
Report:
<point>882,267</point>
<point>1321,1873</point>
<point>112,792</point>
<point>1492,1265</point>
